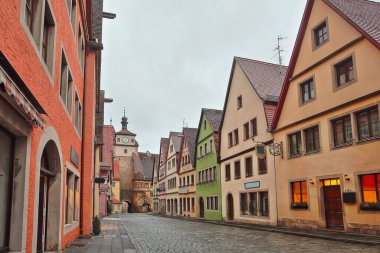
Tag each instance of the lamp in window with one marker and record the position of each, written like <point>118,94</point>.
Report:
<point>311,181</point>
<point>347,178</point>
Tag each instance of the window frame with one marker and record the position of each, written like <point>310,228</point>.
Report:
<point>298,144</point>
<point>239,102</point>
<point>237,176</point>
<point>334,123</point>
<point>369,120</point>
<point>336,85</point>
<point>246,167</point>
<point>229,172</point>
<point>308,82</point>
<point>315,130</point>
<point>377,186</point>
<point>314,36</point>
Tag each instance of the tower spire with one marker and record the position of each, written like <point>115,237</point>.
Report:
<point>124,121</point>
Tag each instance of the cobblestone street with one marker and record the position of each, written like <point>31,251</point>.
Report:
<point>150,233</point>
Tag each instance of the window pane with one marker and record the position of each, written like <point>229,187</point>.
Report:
<point>253,203</point>
<point>369,188</point>
<point>296,192</point>
<point>243,203</point>
<point>264,208</point>
<point>304,191</point>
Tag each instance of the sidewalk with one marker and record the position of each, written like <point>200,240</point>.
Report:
<point>112,239</point>
<point>325,234</point>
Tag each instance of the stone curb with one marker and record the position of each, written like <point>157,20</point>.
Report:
<point>328,236</point>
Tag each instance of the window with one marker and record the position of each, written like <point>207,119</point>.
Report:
<point>192,205</point>
<point>81,51</point>
<point>321,34</point>
<point>262,165</point>
<point>237,169</point>
<point>73,12</point>
<point>69,197</point>
<point>264,205</point>
<point>295,145</point>
<point>125,151</point>
<point>344,72</point>
<point>212,203</point>
<point>30,9</point>
<point>236,137</point>
<point>239,102</point>
<point>199,177</point>
<point>246,131</point>
<point>48,33</point>
<point>66,88</point>
<point>206,150</point>
<point>211,146</point>
<point>204,124</point>
<point>76,199</point>
<point>248,167</point>
<point>214,173</point>
<point>307,91</point>
<point>299,192</point>
<point>192,179</point>
<point>370,187</point>
<point>171,148</point>
<point>312,139</point>
<point>254,127</point>
<point>368,123</point>
<point>200,151</point>
<point>230,141</point>
<point>243,203</point>
<point>78,114</point>
<point>188,204</point>
<point>253,203</point>
<point>342,131</point>
<point>228,172</point>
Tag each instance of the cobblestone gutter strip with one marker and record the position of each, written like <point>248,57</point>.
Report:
<point>319,234</point>
<point>135,243</point>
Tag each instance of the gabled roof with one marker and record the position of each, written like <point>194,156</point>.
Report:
<point>176,137</point>
<point>190,136</point>
<point>363,15</point>
<point>143,164</point>
<point>214,117</point>
<point>126,132</point>
<point>266,78</point>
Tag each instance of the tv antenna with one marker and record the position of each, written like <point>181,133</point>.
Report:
<point>279,49</point>
<point>184,124</point>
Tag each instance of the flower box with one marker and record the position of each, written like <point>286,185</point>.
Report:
<point>370,206</point>
<point>299,205</point>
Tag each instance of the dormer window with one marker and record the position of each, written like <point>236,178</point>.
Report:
<point>320,34</point>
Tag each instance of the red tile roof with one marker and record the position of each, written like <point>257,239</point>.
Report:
<point>108,140</point>
<point>270,110</point>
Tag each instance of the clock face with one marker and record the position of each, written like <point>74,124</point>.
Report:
<point>125,140</point>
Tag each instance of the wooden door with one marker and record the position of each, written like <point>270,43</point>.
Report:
<point>333,206</point>
<point>201,208</point>
<point>230,207</point>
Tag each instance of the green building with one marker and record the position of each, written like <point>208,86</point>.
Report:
<point>208,188</point>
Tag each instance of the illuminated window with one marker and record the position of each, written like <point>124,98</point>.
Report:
<point>299,192</point>
<point>370,187</point>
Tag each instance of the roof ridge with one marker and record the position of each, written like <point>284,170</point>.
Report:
<point>259,61</point>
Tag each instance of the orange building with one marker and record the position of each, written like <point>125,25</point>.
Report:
<point>328,120</point>
<point>49,80</point>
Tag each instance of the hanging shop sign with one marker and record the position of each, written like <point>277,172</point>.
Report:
<point>260,150</point>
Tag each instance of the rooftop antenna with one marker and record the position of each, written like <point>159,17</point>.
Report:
<point>124,111</point>
<point>111,120</point>
<point>184,124</point>
<point>279,49</point>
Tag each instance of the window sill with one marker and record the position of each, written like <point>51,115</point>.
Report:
<point>313,152</point>
<point>368,139</point>
<point>251,216</point>
<point>294,156</point>
<point>307,102</point>
<point>237,178</point>
<point>344,145</point>
<point>263,173</point>
<point>344,85</point>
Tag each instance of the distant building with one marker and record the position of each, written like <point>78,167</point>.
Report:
<point>162,163</point>
<point>208,188</point>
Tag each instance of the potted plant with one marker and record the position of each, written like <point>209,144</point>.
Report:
<point>370,206</point>
<point>299,205</point>
<point>96,225</point>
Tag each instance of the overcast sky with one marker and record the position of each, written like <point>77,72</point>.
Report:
<point>166,59</point>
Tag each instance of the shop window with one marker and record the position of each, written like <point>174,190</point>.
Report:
<point>228,172</point>
<point>237,169</point>
<point>342,131</point>
<point>264,204</point>
<point>295,144</point>
<point>243,204</point>
<point>368,123</point>
<point>312,139</point>
<point>253,203</point>
<point>248,167</point>
<point>370,187</point>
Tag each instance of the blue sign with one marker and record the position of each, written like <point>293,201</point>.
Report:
<point>254,184</point>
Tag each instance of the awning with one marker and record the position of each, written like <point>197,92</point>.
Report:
<point>22,103</point>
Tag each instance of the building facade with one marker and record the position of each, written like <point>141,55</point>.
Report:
<point>171,177</point>
<point>48,72</point>
<point>186,174</point>
<point>208,185</point>
<point>164,146</point>
<point>328,120</point>
<point>248,175</point>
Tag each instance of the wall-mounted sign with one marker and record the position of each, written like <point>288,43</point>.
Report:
<point>260,151</point>
<point>254,184</point>
<point>74,158</point>
<point>349,197</point>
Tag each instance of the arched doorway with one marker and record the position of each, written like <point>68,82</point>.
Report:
<point>201,208</point>
<point>49,194</point>
<point>230,207</point>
